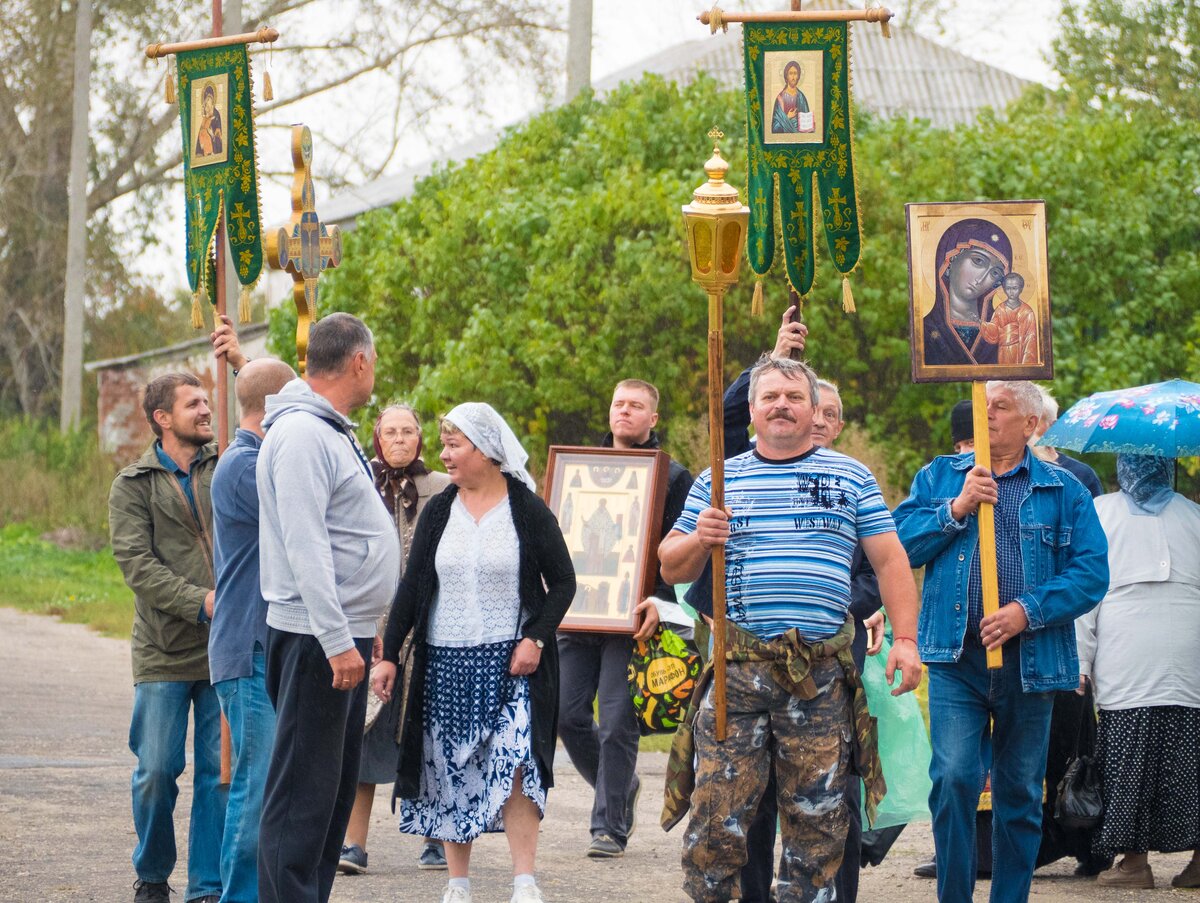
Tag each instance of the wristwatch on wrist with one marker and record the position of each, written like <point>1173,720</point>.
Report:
<point>541,644</point>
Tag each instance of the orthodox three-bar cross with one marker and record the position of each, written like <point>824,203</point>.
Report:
<point>305,248</point>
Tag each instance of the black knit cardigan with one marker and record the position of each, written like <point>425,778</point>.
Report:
<point>547,586</point>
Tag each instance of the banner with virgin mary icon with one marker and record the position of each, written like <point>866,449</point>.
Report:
<point>979,291</point>
<point>216,112</point>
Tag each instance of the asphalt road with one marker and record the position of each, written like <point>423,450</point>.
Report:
<point>66,833</point>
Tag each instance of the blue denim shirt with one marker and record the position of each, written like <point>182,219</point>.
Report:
<point>1063,549</point>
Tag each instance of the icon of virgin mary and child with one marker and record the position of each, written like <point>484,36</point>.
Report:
<point>210,137</point>
<point>979,316</point>
<point>791,113</point>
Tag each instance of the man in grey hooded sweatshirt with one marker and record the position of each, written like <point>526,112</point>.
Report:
<point>329,564</point>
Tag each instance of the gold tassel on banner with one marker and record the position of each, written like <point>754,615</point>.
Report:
<point>244,305</point>
<point>268,92</point>
<point>170,84</point>
<point>847,296</point>
<point>756,303</point>
<point>886,28</point>
<point>197,314</point>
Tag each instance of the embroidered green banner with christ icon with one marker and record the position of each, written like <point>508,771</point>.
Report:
<point>799,130</point>
<point>216,111</point>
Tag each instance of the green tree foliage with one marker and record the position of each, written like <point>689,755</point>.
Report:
<point>1132,51</point>
<point>537,275</point>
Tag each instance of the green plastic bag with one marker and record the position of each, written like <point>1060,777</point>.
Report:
<point>662,676</point>
<point>903,747</point>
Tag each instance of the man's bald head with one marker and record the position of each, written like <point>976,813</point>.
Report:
<point>258,379</point>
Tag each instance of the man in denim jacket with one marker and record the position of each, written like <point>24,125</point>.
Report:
<point>1052,566</point>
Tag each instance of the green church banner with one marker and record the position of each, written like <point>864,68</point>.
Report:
<point>216,111</point>
<point>799,131</point>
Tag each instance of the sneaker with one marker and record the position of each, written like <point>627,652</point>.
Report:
<point>631,808</point>
<point>151,891</point>
<point>1189,877</point>
<point>456,895</point>
<point>1119,876</point>
<point>926,869</point>
<point>433,856</point>
<point>353,860</point>
<point>527,893</point>
<point>604,847</point>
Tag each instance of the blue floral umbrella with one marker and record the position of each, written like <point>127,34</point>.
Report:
<point>1159,419</point>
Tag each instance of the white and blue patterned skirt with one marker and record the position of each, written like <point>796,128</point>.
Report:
<point>477,734</point>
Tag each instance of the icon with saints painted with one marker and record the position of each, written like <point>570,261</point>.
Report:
<point>609,505</point>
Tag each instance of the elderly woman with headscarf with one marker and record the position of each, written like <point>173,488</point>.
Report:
<point>406,485</point>
<point>487,582</point>
<point>1138,648</point>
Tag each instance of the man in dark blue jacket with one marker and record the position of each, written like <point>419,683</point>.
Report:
<point>594,667</point>
<point>237,643</point>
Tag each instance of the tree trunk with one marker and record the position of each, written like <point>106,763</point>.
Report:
<point>72,354</point>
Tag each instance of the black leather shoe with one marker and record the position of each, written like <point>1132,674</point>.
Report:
<point>926,869</point>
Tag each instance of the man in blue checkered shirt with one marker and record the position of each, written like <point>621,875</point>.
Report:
<point>1052,567</point>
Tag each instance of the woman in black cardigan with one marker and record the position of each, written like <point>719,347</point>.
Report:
<point>487,582</point>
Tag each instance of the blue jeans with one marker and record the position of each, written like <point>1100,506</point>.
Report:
<point>962,696</point>
<point>251,720</point>
<point>158,736</point>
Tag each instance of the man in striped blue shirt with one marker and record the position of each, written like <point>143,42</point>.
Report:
<point>794,513</point>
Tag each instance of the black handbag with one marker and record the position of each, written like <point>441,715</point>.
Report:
<point>1080,804</point>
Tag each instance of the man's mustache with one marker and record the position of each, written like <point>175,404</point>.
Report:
<point>781,415</point>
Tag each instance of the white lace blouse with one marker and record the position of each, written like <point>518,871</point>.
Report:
<point>478,564</point>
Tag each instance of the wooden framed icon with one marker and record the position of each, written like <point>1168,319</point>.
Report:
<point>609,504</point>
<point>979,291</point>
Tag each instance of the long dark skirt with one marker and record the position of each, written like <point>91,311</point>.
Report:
<point>1151,772</point>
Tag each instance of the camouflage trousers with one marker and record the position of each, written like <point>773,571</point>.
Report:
<point>809,741</point>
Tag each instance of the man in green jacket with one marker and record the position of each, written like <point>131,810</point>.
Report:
<point>160,517</point>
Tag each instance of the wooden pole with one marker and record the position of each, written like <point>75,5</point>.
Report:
<point>716,456</point>
<point>874,14</point>
<point>987,516</point>
<point>222,396</point>
<point>70,403</point>
<point>262,36</point>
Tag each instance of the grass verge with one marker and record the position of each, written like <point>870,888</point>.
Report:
<point>81,587</point>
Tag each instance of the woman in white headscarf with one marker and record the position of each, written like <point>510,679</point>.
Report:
<point>486,584</point>
<point>1138,648</point>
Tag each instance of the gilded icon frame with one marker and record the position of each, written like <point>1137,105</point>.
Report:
<point>947,244</point>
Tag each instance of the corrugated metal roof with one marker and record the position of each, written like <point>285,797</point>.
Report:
<point>905,75</point>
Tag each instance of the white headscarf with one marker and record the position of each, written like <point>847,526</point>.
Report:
<point>489,433</point>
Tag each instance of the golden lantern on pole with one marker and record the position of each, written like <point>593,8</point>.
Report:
<point>716,232</point>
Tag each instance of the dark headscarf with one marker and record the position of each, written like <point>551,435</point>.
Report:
<point>1146,481</point>
<point>398,482</point>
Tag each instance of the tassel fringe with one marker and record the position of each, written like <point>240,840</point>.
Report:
<point>268,91</point>
<point>756,303</point>
<point>244,305</point>
<point>847,296</point>
<point>886,28</point>
<point>197,314</point>
<point>170,85</point>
